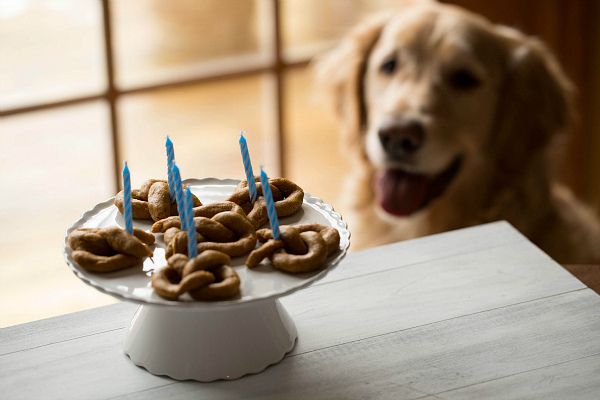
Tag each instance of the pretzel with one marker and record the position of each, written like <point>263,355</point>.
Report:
<point>177,243</point>
<point>302,248</point>
<point>205,277</point>
<point>329,234</point>
<point>226,286</point>
<point>95,263</point>
<point>287,195</point>
<point>208,211</point>
<point>109,249</point>
<point>152,201</point>
<point>228,232</point>
<point>170,283</point>
<point>240,226</point>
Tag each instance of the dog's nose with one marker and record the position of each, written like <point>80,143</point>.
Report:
<point>403,138</point>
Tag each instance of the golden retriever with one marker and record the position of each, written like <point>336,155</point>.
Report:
<point>449,120</point>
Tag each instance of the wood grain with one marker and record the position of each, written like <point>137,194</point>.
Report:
<point>458,315</point>
<point>573,380</point>
<point>68,327</point>
<point>425,360</point>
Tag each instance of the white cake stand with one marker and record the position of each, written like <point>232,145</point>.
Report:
<point>206,341</point>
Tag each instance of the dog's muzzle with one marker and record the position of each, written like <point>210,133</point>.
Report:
<point>402,138</point>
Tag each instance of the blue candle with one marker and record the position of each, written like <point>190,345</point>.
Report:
<point>191,227</point>
<point>271,212</point>
<point>127,212</point>
<point>248,168</point>
<point>170,162</point>
<point>179,196</point>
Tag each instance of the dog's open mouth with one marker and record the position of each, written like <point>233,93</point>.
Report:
<point>402,193</point>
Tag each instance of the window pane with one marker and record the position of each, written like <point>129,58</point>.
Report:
<point>49,50</point>
<point>55,165</point>
<point>308,25</point>
<point>158,40</point>
<point>313,156</point>
<point>204,122</point>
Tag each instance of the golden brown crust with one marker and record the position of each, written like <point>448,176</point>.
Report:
<point>170,234</point>
<point>139,207</point>
<point>177,243</point>
<point>146,237</point>
<point>168,283</point>
<point>152,201</point>
<point>207,260</point>
<point>207,211</point>
<point>95,263</point>
<point>210,210</point>
<point>165,224</point>
<point>89,239</point>
<point>264,251</point>
<point>302,248</point>
<point>313,259</point>
<point>159,201</point>
<point>287,195</point>
<point>213,230</point>
<point>329,234</point>
<point>228,232</point>
<point>183,275</point>
<point>226,286</point>
<point>257,212</point>
<point>178,262</point>
<point>124,243</point>
<point>242,229</point>
<point>109,249</point>
<point>144,191</point>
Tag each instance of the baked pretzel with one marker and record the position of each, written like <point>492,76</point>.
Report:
<point>225,286</point>
<point>208,211</point>
<point>287,195</point>
<point>228,232</point>
<point>205,277</point>
<point>109,249</point>
<point>152,201</point>
<point>302,248</point>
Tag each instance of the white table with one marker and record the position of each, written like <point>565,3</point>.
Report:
<point>478,313</point>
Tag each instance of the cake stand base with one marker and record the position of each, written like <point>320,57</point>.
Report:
<point>206,345</point>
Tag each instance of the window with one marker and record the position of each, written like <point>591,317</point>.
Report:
<point>86,84</point>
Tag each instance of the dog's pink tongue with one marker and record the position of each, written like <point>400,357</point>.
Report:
<point>401,193</point>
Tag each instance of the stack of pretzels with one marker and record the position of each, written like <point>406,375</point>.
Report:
<point>222,226</point>
<point>224,230</point>
<point>152,201</point>
<point>287,195</point>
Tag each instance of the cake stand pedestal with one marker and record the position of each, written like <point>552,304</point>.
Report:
<point>223,343</point>
<point>205,341</point>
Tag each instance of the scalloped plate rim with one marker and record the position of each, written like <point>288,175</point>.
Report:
<point>344,233</point>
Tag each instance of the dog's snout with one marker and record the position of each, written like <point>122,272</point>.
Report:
<point>403,138</point>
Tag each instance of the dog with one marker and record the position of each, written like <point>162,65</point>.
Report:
<point>450,122</point>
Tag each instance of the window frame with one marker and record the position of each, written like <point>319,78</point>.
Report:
<point>275,66</point>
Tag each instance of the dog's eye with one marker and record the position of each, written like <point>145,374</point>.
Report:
<point>463,79</point>
<point>389,65</point>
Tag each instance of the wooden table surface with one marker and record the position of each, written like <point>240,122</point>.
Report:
<point>478,313</point>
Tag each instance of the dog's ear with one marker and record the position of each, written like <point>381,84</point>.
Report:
<point>339,74</point>
<point>536,102</point>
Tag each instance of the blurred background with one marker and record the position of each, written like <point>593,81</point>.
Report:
<point>85,84</point>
